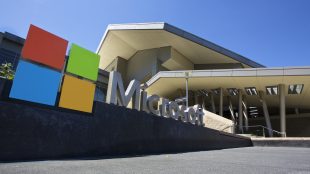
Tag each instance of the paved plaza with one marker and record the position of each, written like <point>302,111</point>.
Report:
<point>239,160</point>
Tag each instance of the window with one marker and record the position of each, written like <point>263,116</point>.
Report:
<point>272,90</point>
<point>295,89</point>
<point>203,92</point>
<point>232,91</point>
<point>253,111</point>
<point>216,91</point>
<point>251,90</point>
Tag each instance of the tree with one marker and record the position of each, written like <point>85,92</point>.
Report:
<point>6,71</point>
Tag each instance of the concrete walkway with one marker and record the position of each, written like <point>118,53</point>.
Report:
<point>241,160</point>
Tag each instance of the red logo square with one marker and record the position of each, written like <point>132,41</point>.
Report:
<point>45,48</point>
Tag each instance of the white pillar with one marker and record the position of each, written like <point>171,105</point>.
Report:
<point>266,113</point>
<point>240,114</point>
<point>221,102</point>
<point>282,109</point>
<point>186,81</point>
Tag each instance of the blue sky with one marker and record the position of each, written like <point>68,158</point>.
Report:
<point>271,32</point>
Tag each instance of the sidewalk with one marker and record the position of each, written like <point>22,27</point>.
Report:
<point>249,160</point>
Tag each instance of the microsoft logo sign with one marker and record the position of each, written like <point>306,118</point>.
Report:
<point>42,72</point>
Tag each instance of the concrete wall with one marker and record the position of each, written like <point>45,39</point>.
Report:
<point>142,65</point>
<point>146,63</point>
<point>217,122</point>
<point>120,65</point>
<point>31,132</point>
<point>176,61</point>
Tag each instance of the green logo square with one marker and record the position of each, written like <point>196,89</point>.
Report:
<point>83,62</point>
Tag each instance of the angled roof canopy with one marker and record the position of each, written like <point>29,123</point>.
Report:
<point>166,83</point>
<point>125,40</point>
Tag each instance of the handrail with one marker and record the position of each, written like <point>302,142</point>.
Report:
<point>278,132</point>
<point>227,127</point>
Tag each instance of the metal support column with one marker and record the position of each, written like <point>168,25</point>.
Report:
<point>204,102</point>
<point>196,98</point>
<point>245,113</point>
<point>297,111</point>
<point>231,109</point>
<point>240,114</point>
<point>266,113</point>
<point>282,109</point>
<point>212,103</point>
<point>221,102</point>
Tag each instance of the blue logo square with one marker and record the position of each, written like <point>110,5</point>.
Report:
<point>35,83</point>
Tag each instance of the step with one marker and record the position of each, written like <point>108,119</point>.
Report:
<point>282,142</point>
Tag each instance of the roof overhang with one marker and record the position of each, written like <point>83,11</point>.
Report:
<point>166,83</point>
<point>125,40</point>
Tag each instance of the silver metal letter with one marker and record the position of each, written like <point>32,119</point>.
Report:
<point>174,111</point>
<point>191,115</point>
<point>119,96</point>
<point>183,115</point>
<point>150,103</point>
<point>199,115</point>
<point>143,102</point>
<point>163,107</point>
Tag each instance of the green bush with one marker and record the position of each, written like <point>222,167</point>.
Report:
<point>6,71</point>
